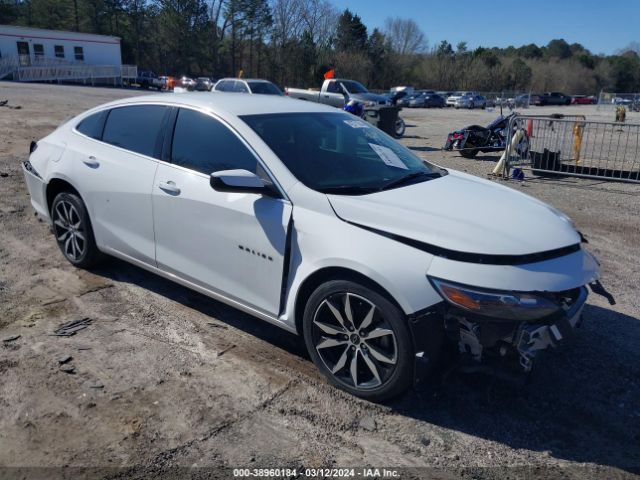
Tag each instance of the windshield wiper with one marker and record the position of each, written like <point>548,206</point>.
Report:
<point>348,190</point>
<point>408,178</point>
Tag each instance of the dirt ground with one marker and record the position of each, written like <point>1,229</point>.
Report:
<point>164,379</point>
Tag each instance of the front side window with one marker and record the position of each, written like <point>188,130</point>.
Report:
<point>339,153</point>
<point>78,53</point>
<point>59,51</point>
<point>135,128</point>
<point>204,144</point>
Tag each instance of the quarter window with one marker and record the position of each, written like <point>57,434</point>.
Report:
<point>205,145</point>
<point>135,128</point>
<point>92,125</point>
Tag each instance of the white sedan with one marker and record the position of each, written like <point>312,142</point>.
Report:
<point>316,221</point>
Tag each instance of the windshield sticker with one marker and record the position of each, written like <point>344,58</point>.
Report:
<point>388,156</point>
<point>356,123</point>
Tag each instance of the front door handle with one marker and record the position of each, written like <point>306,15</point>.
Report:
<point>91,162</point>
<point>169,187</point>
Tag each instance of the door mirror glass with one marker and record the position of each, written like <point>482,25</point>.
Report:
<point>239,181</point>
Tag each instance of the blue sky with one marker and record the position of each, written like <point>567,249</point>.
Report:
<point>603,26</point>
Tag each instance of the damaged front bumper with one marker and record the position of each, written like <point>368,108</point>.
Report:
<point>484,340</point>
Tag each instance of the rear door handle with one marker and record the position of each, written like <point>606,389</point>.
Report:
<point>91,162</point>
<point>169,187</point>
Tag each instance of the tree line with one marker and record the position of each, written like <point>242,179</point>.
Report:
<point>294,42</point>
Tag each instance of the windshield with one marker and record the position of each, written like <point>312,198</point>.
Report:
<point>264,88</point>
<point>353,86</point>
<point>339,153</point>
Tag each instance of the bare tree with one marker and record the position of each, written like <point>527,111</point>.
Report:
<point>405,36</point>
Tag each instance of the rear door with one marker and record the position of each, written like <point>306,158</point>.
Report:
<point>230,243</point>
<point>117,176</point>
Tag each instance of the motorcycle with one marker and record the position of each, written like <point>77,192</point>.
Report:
<point>475,139</point>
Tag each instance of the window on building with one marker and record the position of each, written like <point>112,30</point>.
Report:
<point>78,53</point>
<point>38,50</point>
<point>59,51</point>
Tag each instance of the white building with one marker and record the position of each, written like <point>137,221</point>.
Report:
<point>34,54</point>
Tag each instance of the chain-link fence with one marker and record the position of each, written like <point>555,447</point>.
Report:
<point>611,100</point>
<point>574,146</point>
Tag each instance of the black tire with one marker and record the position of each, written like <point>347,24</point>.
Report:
<point>399,128</point>
<point>469,152</point>
<point>385,379</point>
<point>73,232</point>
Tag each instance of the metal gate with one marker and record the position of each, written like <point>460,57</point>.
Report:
<point>564,145</point>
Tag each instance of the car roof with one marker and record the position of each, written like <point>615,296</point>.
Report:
<point>246,79</point>
<point>231,103</point>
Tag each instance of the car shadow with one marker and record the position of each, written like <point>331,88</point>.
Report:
<point>423,149</point>
<point>582,403</point>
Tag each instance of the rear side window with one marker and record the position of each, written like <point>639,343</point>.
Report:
<point>240,87</point>
<point>223,86</point>
<point>205,145</point>
<point>135,128</point>
<point>92,125</point>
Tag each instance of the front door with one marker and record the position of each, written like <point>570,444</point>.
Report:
<point>23,53</point>
<point>231,243</point>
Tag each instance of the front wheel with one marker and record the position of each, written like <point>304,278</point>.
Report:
<point>400,128</point>
<point>359,340</point>
<point>73,232</point>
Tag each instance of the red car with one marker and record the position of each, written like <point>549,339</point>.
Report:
<point>583,100</point>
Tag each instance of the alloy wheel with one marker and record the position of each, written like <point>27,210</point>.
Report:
<point>69,230</point>
<point>354,341</point>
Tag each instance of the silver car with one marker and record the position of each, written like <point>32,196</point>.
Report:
<point>471,101</point>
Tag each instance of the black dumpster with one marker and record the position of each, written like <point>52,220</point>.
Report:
<point>383,116</point>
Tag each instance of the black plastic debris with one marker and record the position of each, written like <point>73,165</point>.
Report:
<point>70,328</point>
<point>12,338</point>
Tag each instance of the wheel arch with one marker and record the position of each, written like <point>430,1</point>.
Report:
<point>57,185</point>
<point>323,275</point>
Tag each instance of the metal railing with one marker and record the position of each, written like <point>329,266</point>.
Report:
<point>575,146</point>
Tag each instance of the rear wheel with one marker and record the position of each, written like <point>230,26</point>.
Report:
<point>359,340</point>
<point>400,128</point>
<point>469,152</point>
<point>73,232</point>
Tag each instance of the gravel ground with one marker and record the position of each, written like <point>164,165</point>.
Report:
<point>164,378</point>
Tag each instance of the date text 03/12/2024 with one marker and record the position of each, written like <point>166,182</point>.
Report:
<point>315,473</point>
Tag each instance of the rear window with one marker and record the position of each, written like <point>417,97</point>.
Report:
<point>135,128</point>
<point>92,125</point>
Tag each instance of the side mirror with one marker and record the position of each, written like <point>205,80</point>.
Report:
<point>240,181</point>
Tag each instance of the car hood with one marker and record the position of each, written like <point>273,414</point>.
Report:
<point>461,213</point>
<point>370,97</point>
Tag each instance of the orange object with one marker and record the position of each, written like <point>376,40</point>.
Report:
<point>331,73</point>
<point>529,128</point>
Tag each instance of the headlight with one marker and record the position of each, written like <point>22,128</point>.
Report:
<point>496,304</point>
<point>370,104</point>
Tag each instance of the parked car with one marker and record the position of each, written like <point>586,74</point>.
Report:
<point>622,101</point>
<point>204,84</point>
<point>187,83</point>
<point>166,82</point>
<point>452,99</point>
<point>584,100</point>
<point>334,91</point>
<point>313,220</point>
<point>250,85</point>
<point>428,99</point>
<point>553,98</point>
<point>521,101</point>
<point>148,79</point>
<point>471,101</point>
